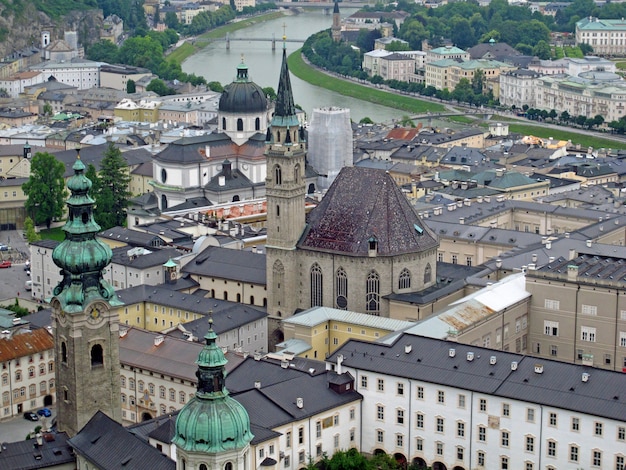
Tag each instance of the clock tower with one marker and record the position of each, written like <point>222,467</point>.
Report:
<point>285,188</point>
<point>86,332</point>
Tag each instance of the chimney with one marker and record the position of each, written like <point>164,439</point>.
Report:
<point>572,254</point>
<point>158,340</point>
<point>451,352</point>
<point>538,368</point>
<point>514,365</point>
<point>257,384</point>
<point>221,180</point>
<point>572,272</point>
<point>39,439</point>
<point>588,243</point>
<point>299,402</point>
<point>548,244</point>
<point>407,348</point>
<point>339,363</point>
<point>470,356</point>
<point>492,360</point>
<point>585,377</point>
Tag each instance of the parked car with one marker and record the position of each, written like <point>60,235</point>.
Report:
<point>27,266</point>
<point>30,416</point>
<point>5,264</point>
<point>44,412</point>
<point>4,248</point>
<point>28,285</point>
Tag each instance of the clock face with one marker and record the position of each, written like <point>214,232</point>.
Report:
<point>94,314</point>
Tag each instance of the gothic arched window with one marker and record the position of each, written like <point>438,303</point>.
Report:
<point>372,298</point>
<point>404,282</point>
<point>64,352</point>
<point>239,124</point>
<point>341,288</point>
<point>427,274</point>
<point>316,285</point>
<point>224,123</point>
<point>257,124</point>
<point>278,175</point>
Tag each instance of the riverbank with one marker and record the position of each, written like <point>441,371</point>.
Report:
<point>312,75</point>
<point>303,70</point>
<point>193,45</point>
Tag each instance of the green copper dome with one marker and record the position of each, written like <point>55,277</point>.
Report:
<point>212,421</point>
<point>81,256</point>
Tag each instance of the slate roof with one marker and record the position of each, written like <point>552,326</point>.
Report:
<point>227,263</point>
<point>109,446</point>
<point>190,150</point>
<point>132,237</point>
<point>559,385</point>
<point>156,258</point>
<point>94,154</point>
<point>360,204</point>
<point>591,268</point>
<point>274,403</point>
<point>488,50</point>
<point>23,455</point>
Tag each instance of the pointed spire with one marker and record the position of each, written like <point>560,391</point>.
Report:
<point>285,106</point>
<point>336,7</point>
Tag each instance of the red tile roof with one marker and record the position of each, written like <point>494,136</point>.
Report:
<point>25,344</point>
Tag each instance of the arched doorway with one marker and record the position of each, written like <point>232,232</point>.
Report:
<point>145,416</point>
<point>458,467</point>
<point>379,452</point>
<point>401,459</point>
<point>420,463</point>
<point>278,336</point>
<point>47,400</point>
<point>439,466</point>
<point>311,189</point>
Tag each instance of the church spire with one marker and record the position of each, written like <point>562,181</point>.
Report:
<point>285,110</point>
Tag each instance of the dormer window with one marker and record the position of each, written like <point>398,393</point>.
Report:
<point>372,246</point>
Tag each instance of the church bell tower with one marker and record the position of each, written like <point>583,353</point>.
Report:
<point>285,189</point>
<point>86,331</point>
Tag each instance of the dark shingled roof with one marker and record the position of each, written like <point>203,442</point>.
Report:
<point>559,385</point>
<point>109,446</point>
<point>363,203</point>
<point>226,263</point>
<point>24,456</point>
<point>190,150</point>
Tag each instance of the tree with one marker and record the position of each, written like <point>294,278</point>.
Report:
<point>103,51</point>
<point>542,50</point>
<point>45,189</point>
<point>462,35</point>
<point>552,114</point>
<point>598,120</point>
<point>395,46</point>
<point>406,121</point>
<point>269,91</point>
<point>215,86</point>
<point>160,88</point>
<point>47,109</point>
<point>580,120</point>
<point>478,82</point>
<point>111,191</point>
<point>565,117</point>
<point>29,230</point>
<point>585,48</point>
<point>366,120</point>
<point>131,86</point>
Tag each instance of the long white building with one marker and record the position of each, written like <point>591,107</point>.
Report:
<point>454,406</point>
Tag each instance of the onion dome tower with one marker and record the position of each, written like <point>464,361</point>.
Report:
<point>212,429</point>
<point>86,331</point>
<point>243,108</point>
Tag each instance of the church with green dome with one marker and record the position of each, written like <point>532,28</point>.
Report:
<point>213,429</point>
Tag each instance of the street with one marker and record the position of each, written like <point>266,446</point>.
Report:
<point>12,279</point>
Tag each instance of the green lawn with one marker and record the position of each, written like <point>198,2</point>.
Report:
<point>620,65</point>
<point>582,139</point>
<point>53,234</point>
<point>305,72</point>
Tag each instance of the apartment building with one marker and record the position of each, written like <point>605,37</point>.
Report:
<point>578,309</point>
<point>27,371</point>
<point>447,405</point>
<point>606,36</point>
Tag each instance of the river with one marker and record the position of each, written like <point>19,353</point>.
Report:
<point>216,63</point>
